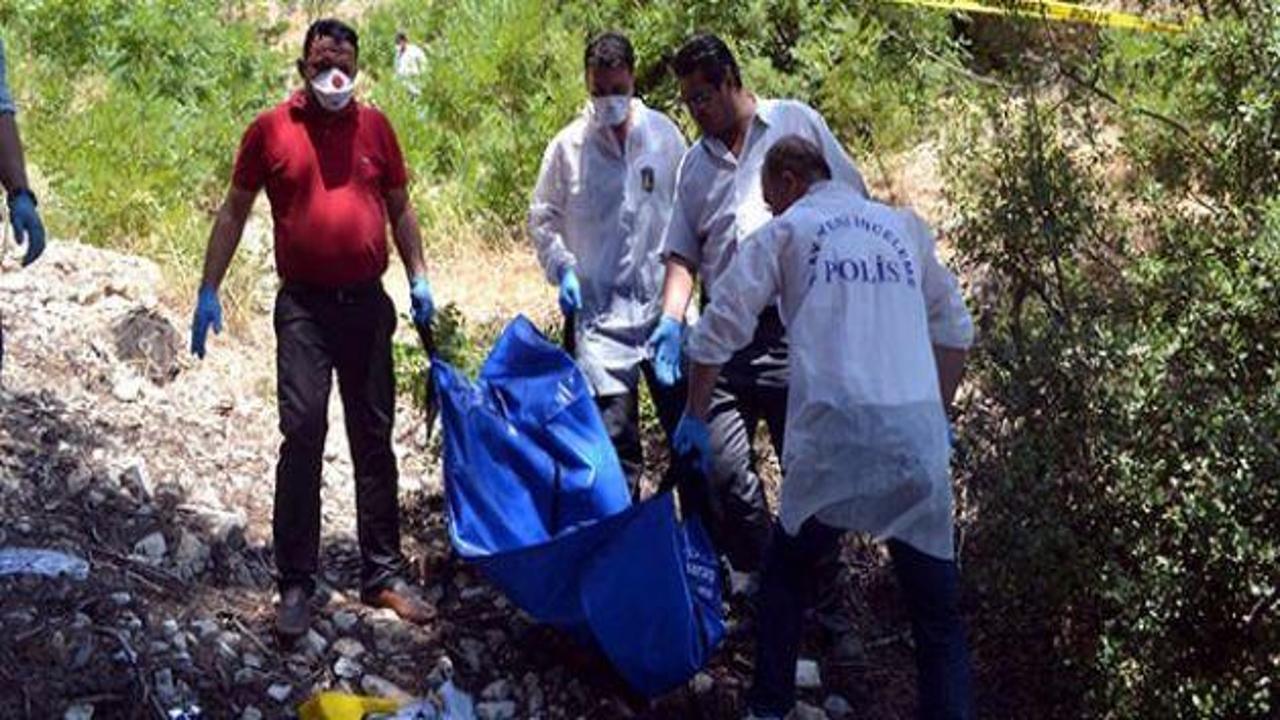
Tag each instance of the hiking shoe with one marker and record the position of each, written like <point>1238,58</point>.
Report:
<point>293,615</point>
<point>403,599</point>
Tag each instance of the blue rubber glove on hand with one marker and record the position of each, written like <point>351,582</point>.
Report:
<point>570,292</point>
<point>420,299</point>
<point>693,437</point>
<point>664,343</point>
<point>208,314</point>
<point>27,227</point>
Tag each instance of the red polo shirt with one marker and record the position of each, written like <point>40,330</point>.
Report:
<point>326,175</point>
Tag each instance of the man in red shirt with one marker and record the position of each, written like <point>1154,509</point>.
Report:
<point>335,177</point>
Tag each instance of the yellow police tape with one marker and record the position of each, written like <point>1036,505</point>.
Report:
<point>1049,10</point>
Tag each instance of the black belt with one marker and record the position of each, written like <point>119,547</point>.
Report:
<point>341,293</point>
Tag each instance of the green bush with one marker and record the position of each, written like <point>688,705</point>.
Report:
<point>1121,456</point>
<point>503,76</point>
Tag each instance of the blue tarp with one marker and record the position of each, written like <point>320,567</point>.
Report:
<point>538,501</point>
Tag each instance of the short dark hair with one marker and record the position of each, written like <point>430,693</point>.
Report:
<point>401,36</point>
<point>331,28</point>
<point>799,156</point>
<point>707,53</point>
<point>609,50</point>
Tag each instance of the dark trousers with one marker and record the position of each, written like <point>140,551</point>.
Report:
<point>929,587</point>
<point>319,332</point>
<point>740,520</point>
<point>621,415</point>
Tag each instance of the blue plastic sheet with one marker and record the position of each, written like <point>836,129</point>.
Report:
<point>538,501</point>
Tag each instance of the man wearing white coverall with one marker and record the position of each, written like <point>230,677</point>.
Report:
<point>878,335</point>
<point>718,204</point>
<point>602,202</point>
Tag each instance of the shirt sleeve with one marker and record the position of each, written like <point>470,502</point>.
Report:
<point>950,324</point>
<point>842,168</point>
<point>546,215</point>
<point>752,282</point>
<point>6,98</point>
<point>251,166</point>
<point>681,237</point>
<point>396,176</point>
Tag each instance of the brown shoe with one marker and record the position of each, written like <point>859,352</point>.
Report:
<point>293,616</point>
<point>404,600</point>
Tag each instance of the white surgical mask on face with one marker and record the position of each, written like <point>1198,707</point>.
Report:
<point>333,89</point>
<point>611,110</point>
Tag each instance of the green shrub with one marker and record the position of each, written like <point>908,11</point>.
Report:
<point>1121,446</point>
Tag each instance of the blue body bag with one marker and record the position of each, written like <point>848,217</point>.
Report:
<point>538,502</point>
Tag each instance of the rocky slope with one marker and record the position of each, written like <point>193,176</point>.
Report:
<point>118,448</point>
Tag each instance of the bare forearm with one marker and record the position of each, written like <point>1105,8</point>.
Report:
<point>677,289</point>
<point>702,381</point>
<point>950,362</point>
<point>408,237</point>
<point>223,241</point>
<point>13,169</point>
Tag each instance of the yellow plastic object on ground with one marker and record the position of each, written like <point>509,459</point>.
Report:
<point>343,706</point>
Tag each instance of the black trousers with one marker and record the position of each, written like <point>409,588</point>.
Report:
<point>621,415</point>
<point>930,590</point>
<point>752,388</point>
<point>318,333</point>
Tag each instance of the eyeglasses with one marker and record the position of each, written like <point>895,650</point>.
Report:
<point>697,100</point>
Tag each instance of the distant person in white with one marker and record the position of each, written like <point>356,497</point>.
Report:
<point>878,334</point>
<point>410,59</point>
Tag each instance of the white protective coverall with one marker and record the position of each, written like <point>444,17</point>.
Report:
<point>601,209</point>
<point>864,298</point>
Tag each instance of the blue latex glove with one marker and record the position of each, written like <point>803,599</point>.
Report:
<point>693,437</point>
<point>664,343</point>
<point>420,298</point>
<point>208,314</point>
<point>570,292</point>
<point>27,227</point>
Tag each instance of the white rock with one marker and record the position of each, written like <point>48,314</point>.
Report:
<point>252,661</point>
<point>505,710</point>
<point>251,713</point>
<point>347,669</point>
<point>837,707</point>
<point>348,647</point>
<point>280,692</point>
<point>127,389</point>
<point>166,692</point>
<point>702,683</point>
<point>121,599</point>
<point>807,675</point>
<point>805,711</point>
<point>497,690</point>
<point>345,621</point>
<point>381,687</point>
<point>152,547</point>
<point>83,711</point>
<point>314,643</point>
<point>191,554</point>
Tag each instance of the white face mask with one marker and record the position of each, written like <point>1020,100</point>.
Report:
<point>333,89</point>
<point>611,110</point>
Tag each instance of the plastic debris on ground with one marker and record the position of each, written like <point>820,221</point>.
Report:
<point>35,561</point>
<point>447,703</point>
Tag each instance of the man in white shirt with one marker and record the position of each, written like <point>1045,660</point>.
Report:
<point>600,207</point>
<point>718,204</point>
<point>878,336</point>
<point>410,59</point>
